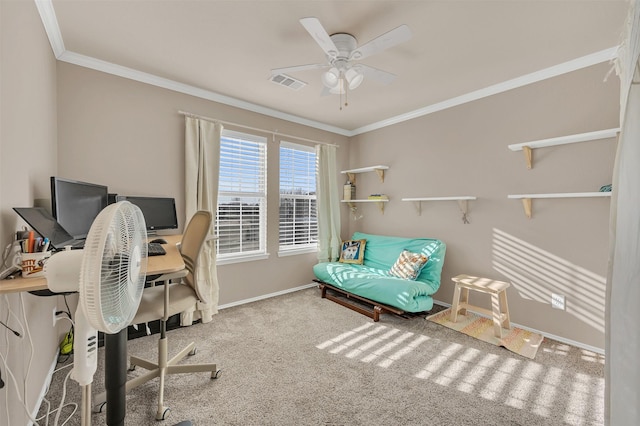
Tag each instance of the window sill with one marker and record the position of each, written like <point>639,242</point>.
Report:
<point>296,251</point>
<point>242,258</point>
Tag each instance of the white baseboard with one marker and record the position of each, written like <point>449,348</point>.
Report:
<point>543,333</point>
<point>267,296</point>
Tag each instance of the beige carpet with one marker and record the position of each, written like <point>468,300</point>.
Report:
<point>517,340</point>
<point>298,359</point>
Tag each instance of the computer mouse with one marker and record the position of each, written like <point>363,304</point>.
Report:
<point>159,241</point>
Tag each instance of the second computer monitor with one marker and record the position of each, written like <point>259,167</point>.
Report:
<point>159,212</point>
<point>76,204</point>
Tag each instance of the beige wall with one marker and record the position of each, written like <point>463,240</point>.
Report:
<point>463,151</point>
<point>27,159</point>
<point>130,136</point>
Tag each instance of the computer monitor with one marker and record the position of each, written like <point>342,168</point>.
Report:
<point>76,204</point>
<point>159,212</point>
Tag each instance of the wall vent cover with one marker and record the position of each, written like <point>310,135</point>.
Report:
<point>290,82</point>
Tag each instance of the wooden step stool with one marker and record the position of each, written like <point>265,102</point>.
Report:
<point>497,290</point>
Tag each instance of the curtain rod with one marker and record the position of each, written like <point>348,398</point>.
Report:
<point>189,114</point>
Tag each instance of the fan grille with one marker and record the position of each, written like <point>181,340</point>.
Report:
<point>113,267</point>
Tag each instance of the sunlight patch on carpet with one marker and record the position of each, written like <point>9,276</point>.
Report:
<point>370,344</point>
<point>519,383</point>
<point>517,340</point>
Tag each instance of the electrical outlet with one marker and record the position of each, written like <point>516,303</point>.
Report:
<point>557,301</point>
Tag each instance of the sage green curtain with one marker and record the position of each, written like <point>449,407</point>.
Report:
<point>327,203</point>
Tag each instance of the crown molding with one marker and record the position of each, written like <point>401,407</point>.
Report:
<point>50,22</point>
<point>48,17</point>
<point>165,83</point>
<point>606,55</point>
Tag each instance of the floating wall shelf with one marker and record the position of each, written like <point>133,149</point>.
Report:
<point>378,169</point>
<point>526,198</point>
<point>379,202</point>
<point>527,147</point>
<point>462,202</point>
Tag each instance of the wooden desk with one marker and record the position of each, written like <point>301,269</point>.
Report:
<point>170,262</point>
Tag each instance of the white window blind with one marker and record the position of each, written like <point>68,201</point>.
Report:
<point>298,215</point>
<point>242,194</point>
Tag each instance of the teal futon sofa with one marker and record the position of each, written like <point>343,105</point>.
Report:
<point>371,284</point>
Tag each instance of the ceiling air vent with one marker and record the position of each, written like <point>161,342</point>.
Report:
<point>290,82</point>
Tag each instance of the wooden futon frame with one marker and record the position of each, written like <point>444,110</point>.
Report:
<point>345,299</point>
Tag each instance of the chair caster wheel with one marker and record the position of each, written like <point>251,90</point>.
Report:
<point>99,407</point>
<point>216,374</point>
<point>163,414</point>
<point>193,351</point>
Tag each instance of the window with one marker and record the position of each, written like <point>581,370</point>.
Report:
<point>298,215</point>
<point>242,196</point>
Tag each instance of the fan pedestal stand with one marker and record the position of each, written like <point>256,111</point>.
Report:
<point>115,377</point>
<point>112,278</point>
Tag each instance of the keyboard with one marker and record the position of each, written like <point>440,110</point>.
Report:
<point>155,249</point>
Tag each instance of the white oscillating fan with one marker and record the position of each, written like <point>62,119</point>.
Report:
<point>109,274</point>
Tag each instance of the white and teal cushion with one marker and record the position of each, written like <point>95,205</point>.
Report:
<point>408,265</point>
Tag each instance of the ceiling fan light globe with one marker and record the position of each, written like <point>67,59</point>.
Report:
<point>330,78</point>
<point>354,78</point>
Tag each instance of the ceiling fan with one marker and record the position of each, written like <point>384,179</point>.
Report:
<point>342,51</point>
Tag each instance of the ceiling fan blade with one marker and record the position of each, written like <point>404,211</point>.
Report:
<point>320,35</point>
<point>297,68</point>
<point>385,41</point>
<point>376,74</point>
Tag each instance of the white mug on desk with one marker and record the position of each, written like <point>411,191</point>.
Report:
<point>31,264</point>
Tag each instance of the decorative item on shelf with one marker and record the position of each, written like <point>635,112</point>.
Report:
<point>605,188</point>
<point>349,191</point>
<point>378,197</point>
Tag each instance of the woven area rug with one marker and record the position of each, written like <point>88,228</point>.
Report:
<point>517,340</point>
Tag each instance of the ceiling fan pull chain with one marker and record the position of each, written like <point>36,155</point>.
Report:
<point>346,95</point>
